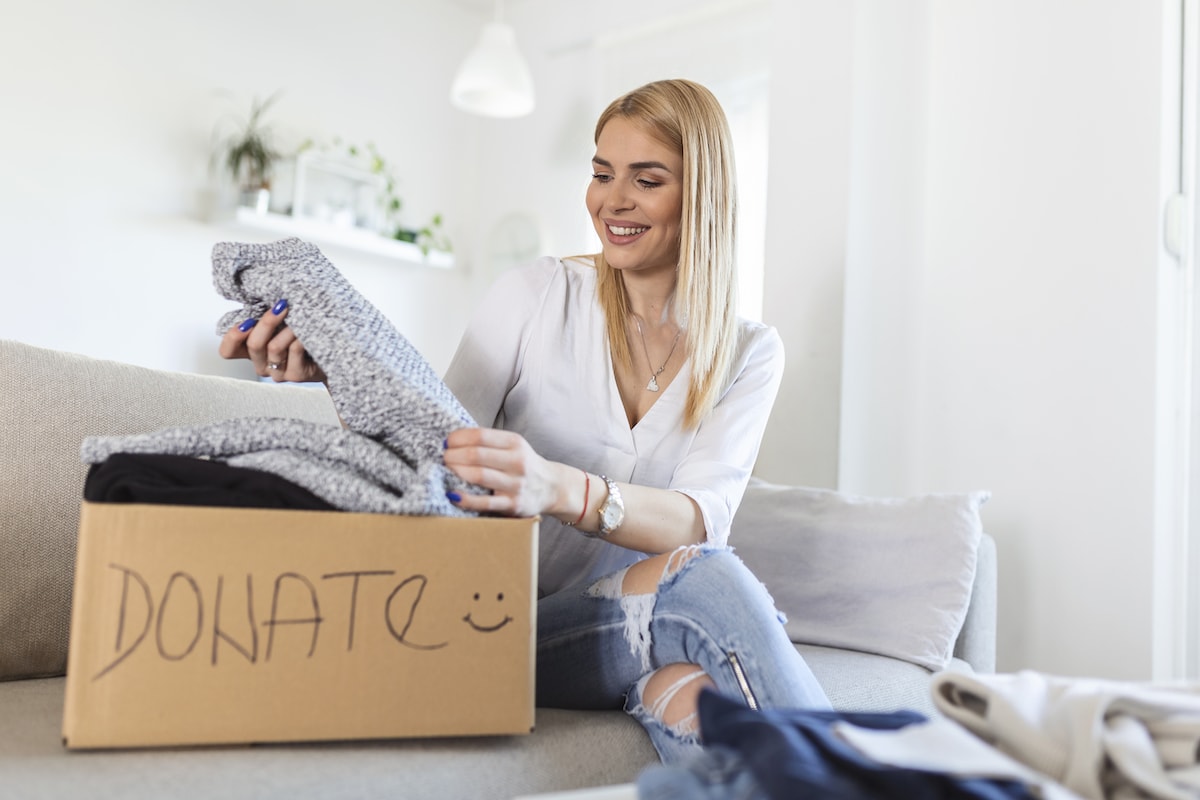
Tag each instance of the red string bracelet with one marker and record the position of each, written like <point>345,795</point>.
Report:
<point>587,490</point>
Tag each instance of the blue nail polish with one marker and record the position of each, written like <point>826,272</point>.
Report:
<point>445,443</point>
<point>279,307</point>
<point>454,497</point>
<point>247,325</point>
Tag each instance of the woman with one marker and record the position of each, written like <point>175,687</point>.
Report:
<point>625,403</point>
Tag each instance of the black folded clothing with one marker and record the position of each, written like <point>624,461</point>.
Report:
<point>163,479</point>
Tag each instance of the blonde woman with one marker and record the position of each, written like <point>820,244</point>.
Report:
<point>622,400</point>
<point>625,403</point>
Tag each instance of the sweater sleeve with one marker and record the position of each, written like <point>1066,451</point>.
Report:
<point>719,463</point>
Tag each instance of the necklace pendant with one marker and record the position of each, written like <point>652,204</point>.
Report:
<point>652,386</point>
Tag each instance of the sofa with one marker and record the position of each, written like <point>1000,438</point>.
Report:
<point>879,594</point>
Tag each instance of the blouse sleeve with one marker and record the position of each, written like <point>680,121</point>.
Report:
<point>490,355</point>
<point>719,463</point>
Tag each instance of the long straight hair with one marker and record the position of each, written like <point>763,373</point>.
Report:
<point>686,116</point>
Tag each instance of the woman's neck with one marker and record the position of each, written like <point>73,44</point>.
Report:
<point>651,299</point>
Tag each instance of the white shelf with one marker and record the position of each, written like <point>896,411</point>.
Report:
<point>354,238</point>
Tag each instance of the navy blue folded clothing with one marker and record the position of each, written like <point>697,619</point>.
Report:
<point>163,479</point>
<point>797,754</point>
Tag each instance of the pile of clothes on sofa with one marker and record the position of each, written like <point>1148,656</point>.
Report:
<point>1020,735</point>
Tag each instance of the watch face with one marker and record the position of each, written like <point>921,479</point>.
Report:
<point>612,515</point>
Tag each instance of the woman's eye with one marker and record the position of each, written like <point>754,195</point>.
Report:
<point>601,177</point>
<point>646,184</point>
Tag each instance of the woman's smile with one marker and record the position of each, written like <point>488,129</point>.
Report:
<point>623,233</point>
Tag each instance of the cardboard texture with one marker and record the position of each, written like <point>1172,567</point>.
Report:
<point>213,626</point>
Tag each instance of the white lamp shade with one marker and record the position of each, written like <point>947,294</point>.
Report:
<point>494,80</point>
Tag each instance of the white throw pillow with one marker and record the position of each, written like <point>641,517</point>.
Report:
<point>890,576</point>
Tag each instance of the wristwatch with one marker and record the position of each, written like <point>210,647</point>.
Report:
<point>612,510</point>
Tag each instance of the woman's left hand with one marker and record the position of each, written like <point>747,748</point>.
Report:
<point>523,483</point>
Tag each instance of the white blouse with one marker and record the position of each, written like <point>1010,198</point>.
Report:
<point>535,360</point>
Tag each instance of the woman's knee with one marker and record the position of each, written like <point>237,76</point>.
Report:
<point>671,694</point>
<point>699,599</point>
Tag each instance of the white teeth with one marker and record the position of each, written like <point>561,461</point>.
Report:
<point>626,231</point>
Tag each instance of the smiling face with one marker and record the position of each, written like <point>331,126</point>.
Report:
<point>488,612</point>
<point>636,198</point>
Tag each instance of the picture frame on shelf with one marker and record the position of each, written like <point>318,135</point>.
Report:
<point>332,191</point>
<point>337,200</point>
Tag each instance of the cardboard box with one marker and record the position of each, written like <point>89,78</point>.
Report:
<point>214,625</point>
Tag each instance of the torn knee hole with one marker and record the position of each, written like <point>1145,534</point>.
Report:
<point>678,559</point>
<point>638,610</point>
<point>646,576</point>
<point>671,693</point>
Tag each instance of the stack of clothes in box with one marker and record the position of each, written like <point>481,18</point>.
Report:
<point>395,409</point>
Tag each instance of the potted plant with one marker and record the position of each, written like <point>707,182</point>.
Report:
<point>430,237</point>
<point>250,155</point>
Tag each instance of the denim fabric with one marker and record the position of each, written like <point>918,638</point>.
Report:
<point>595,645</point>
<point>784,754</point>
<point>713,773</point>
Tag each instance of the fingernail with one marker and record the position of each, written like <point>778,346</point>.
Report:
<point>445,443</point>
<point>247,325</point>
<point>454,497</point>
<point>279,307</point>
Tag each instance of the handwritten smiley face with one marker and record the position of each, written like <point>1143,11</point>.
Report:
<point>470,620</point>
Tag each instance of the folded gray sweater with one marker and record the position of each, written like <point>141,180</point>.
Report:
<point>396,409</point>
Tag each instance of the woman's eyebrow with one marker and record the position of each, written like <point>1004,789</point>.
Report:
<point>635,165</point>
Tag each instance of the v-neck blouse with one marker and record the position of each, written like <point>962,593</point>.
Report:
<point>535,360</point>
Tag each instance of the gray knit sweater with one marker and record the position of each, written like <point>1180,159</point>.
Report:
<point>396,409</point>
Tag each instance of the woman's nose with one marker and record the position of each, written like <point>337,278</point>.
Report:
<point>618,198</point>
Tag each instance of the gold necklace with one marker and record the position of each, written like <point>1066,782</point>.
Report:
<point>652,386</point>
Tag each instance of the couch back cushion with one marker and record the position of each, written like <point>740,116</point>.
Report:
<point>49,403</point>
<point>890,576</point>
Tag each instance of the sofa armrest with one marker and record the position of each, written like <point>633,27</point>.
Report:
<point>976,643</point>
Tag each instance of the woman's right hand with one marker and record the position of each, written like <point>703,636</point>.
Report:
<point>272,347</point>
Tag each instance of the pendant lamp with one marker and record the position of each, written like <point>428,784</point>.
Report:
<point>494,81</point>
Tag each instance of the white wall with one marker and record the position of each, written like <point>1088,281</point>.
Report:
<point>812,51</point>
<point>109,112</point>
<point>1001,291</point>
<point>1041,312</point>
<point>885,248</point>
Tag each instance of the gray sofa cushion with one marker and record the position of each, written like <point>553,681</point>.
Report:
<point>890,576</point>
<point>856,681</point>
<point>50,402</point>
<point>568,750</point>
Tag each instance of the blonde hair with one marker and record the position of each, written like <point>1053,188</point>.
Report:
<point>687,117</point>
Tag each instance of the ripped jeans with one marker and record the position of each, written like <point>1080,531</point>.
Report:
<point>598,647</point>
